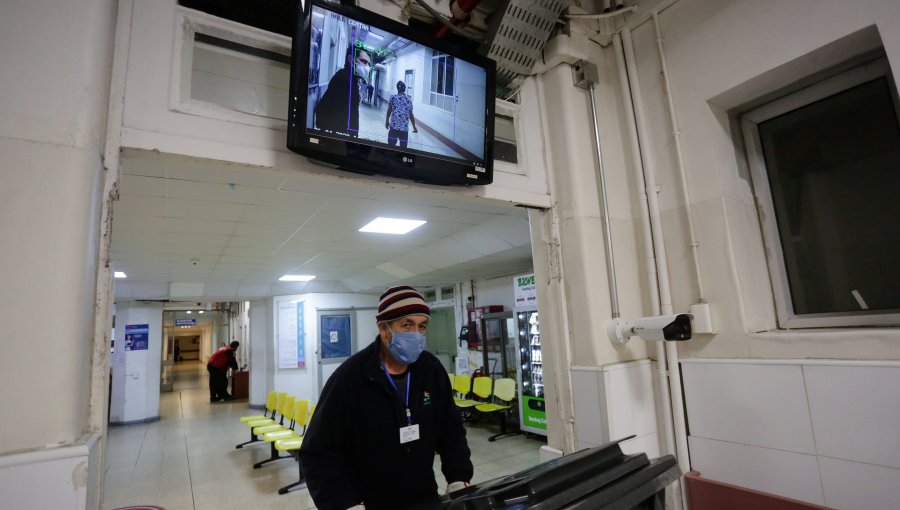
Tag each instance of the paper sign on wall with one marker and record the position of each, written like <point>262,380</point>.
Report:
<point>291,351</point>
<point>462,365</point>
<point>525,290</point>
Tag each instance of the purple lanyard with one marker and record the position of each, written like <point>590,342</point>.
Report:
<point>408,379</point>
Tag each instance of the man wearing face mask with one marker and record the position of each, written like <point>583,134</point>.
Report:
<point>338,109</point>
<point>382,417</point>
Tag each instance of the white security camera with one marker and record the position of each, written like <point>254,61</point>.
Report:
<point>663,327</point>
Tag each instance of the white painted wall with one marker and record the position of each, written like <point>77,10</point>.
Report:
<point>56,66</point>
<point>135,374</point>
<point>303,382</point>
<point>743,50</point>
<point>764,420</point>
<point>495,291</point>
<point>159,116</point>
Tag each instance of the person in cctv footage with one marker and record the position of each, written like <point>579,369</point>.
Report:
<point>399,115</point>
<point>334,112</point>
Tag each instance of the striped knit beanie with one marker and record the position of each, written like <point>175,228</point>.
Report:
<point>400,301</point>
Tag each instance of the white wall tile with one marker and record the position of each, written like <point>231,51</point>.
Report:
<point>614,402</point>
<point>760,405</point>
<point>856,412</point>
<point>788,474</point>
<point>855,486</point>
<point>590,424</point>
<point>631,407</point>
<point>648,444</point>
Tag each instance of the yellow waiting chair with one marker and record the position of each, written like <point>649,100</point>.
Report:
<point>292,446</point>
<point>299,419</point>
<point>462,385</point>
<point>286,410</point>
<point>505,392</point>
<point>270,407</point>
<point>481,388</point>
<point>279,400</point>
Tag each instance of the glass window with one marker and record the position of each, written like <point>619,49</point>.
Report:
<point>826,170</point>
<point>505,139</point>
<point>442,81</point>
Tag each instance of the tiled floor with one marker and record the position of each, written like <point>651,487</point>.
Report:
<point>187,459</point>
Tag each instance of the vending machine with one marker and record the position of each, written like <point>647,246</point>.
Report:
<point>499,345</point>
<point>532,412</point>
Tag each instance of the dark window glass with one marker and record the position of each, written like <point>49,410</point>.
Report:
<point>834,172</point>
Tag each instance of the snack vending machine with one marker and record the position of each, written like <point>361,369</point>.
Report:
<point>532,412</point>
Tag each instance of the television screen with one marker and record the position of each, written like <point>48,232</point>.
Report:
<point>370,95</point>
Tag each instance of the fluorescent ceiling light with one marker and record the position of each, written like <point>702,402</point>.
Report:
<point>392,226</point>
<point>189,311</point>
<point>120,274</point>
<point>296,278</point>
<point>376,36</point>
<point>201,311</point>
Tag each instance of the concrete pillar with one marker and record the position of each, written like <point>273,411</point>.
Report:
<point>136,368</point>
<point>56,60</point>
<point>258,361</point>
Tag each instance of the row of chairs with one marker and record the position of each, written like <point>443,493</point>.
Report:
<point>281,437</point>
<point>486,396</point>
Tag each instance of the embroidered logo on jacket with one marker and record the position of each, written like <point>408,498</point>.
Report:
<point>426,398</point>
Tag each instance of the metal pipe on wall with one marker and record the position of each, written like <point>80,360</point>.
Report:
<point>607,230</point>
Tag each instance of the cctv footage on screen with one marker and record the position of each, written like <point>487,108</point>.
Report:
<point>368,85</point>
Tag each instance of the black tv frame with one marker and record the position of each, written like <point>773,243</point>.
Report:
<point>367,156</point>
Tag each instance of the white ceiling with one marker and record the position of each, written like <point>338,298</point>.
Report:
<point>189,229</point>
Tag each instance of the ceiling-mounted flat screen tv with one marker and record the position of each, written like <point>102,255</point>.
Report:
<point>371,95</point>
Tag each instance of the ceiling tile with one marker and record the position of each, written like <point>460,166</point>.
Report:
<point>274,215</point>
<point>144,185</point>
<point>199,210</point>
<point>190,226</point>
<point>140,205</point>
<point>197,239</point>
<point>481,241</point>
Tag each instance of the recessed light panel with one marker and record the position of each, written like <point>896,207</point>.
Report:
<point>392,226</point>
<point>120,274</point>
<point>296,278</point>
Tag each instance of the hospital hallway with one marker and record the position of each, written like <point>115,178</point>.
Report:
<point>187,460</point>
<point>371,126</point>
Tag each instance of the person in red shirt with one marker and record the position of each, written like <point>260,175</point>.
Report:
<point>218,366</point>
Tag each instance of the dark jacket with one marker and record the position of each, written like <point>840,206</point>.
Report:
<point>352,453</point>
<point>338,109</point>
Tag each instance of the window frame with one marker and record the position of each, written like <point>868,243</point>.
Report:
<point>439,63</point>
<point>749,121</point>
<point>189,22</point>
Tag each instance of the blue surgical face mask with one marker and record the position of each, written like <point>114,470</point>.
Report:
<point>405,347</point>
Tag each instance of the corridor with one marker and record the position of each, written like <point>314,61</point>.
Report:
<point>187,459</point>
<point>371,127</point>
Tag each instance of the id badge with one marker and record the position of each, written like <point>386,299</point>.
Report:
<point>409,434</point>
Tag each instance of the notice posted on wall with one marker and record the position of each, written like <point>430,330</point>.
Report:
<point>136,337</point>
<point>291,352</point>
<point>525,290</point>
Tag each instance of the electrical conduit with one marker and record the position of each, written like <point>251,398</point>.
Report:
<point>665,294</point>
<point>648,242</point>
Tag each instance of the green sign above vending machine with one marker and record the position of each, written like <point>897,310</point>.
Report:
<point>534,414</point>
